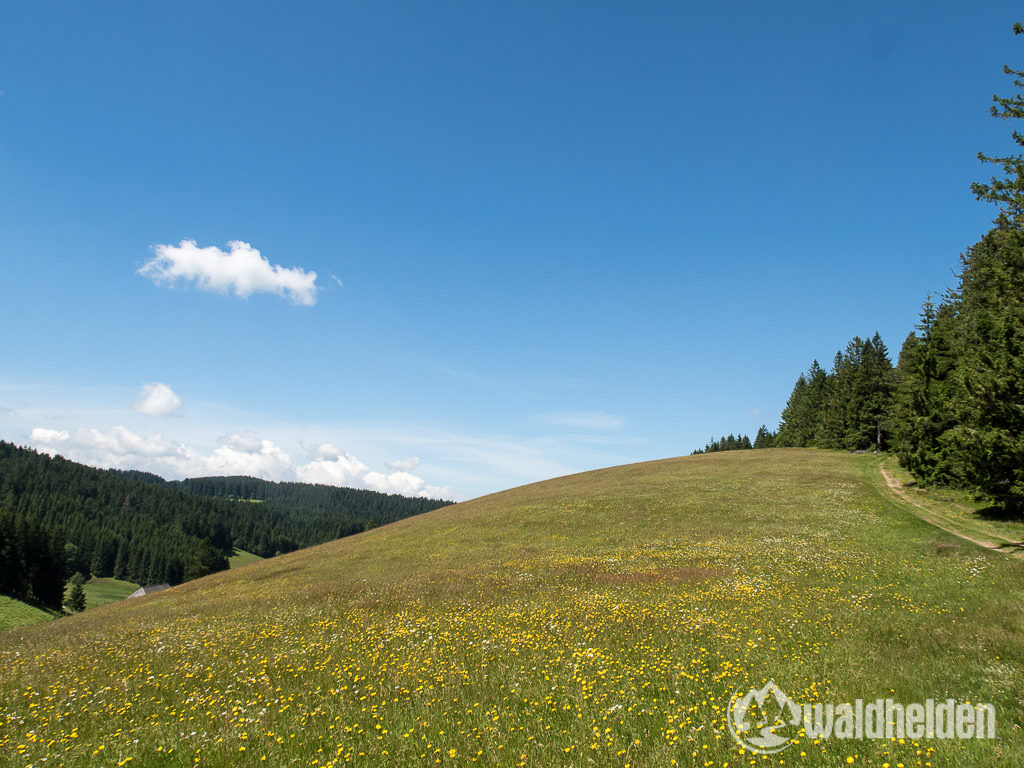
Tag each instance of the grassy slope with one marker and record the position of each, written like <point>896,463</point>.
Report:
<point>102,591</point>
<point>599,619</point>
<point>14,613</point>
<point>957,511</point>
<point>97,592</point>
<point>241,557</point>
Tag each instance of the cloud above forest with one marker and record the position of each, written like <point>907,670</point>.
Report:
<point>241,269</point>
<point>157,399</point>
<point>235,454</point>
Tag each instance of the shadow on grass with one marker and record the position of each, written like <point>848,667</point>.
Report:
<point>996,512</point>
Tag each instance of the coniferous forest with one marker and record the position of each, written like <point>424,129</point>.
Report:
<point>58,517</point>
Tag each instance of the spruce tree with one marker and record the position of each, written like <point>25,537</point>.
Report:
<point>76,594</point>
<point>792,430</point>
<point>802,416</point>
<point>763,439</point>
<point>925,395</point>
<point>988,438</point>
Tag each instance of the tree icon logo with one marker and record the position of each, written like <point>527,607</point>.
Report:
<point>764,720</point>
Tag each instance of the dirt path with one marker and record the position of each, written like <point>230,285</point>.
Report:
<point>949,524</point>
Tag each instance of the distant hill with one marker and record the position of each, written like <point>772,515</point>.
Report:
<point>138,527</point>
<point>138,475</point>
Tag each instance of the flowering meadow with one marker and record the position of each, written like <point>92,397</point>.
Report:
<point>602,619</point>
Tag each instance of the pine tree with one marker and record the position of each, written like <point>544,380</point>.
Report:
<point>802,416</point>
<point>874,388</point>
<point>988,439</point>
<point>925,395</point>
<point>76,595</point>
<point>839,401</point>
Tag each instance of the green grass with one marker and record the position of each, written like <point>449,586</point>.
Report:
<point>600,619</point>
<point>959,511</point>
<point>14,613</point>
<point>102,591</point>
<point>240,557</point>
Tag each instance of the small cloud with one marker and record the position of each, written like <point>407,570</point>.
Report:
<point>241,269</point>
<point>337,279</point>
<point>48,438</point>
<point>394,482</point>
<point>328,451</point>
<point>336,468</point>
<point>247,443</point>
<point>583,420</point>
<point>405,465</point>
<point>406,484</point>
<point>754,411</point>
<point>241,455</point>
<point>157,399</point>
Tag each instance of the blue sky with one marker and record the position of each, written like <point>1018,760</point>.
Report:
<point>546,237</point>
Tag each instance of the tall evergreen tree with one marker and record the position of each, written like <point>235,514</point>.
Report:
<point>764,438</point>
<point>837,414</point>
<point>874,389</point>
<point>989,434</point>
<point>802,416</point>
<point>925,394</point>
<point>793,429</point>
<point>76,594</point>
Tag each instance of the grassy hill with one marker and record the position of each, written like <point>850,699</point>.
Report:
<point>14,613</point>
<point>102,591</point>
<point>605,618</point>
<point>240,557</point>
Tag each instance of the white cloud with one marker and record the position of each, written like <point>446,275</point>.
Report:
<point>122,448</point>
<point>394,482</point>
<point>340,469</point>
<point>241,269</point>
<point>260,458</point>
<point>247,443</point>
<point>157,399</point>
<point>583,420</point>
<point>106,449</point>
<point>236,454</point>
<point>405,465</point>
<point>439,492</point>
<point>123,442</point>
<point>43,436</point>
<point>404,483</point>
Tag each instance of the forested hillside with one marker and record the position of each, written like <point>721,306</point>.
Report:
<point>292,515</point>
<point>58,517</point>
